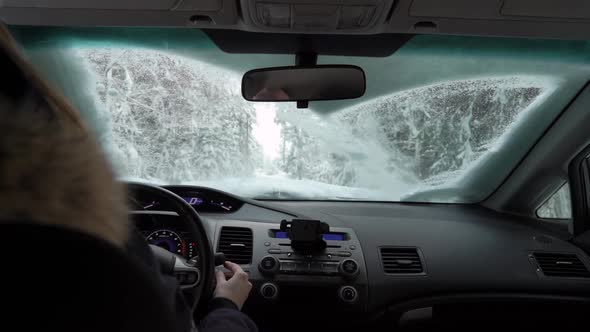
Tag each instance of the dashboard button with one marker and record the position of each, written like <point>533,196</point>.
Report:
<point>353,247</point>
<point>302,267</point>
<point>317,267</point>
<point>191,277</point>
<point>288,266</point>
<point>329,267</point>
<point>349,268</point>
<point>348,294</point>
<point>344,253</point>
<point>269,291</point>
<point>267,244</point>
<point>268,265</point>
<point>275,251</point>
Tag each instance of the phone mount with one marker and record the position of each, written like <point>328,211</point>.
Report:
<point>307,236</point>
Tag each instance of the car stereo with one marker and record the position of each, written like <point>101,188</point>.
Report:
<point>308,252</point>
<point>283,273</point>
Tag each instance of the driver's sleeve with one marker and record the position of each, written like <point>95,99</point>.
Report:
<point>139,249</point>
<point>224,316</point>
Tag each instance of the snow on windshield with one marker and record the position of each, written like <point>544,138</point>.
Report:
<point>175,120</point>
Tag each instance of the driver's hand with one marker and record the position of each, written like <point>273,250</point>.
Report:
<point>237,288</point>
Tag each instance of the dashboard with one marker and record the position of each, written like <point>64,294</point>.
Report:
<point>160,225</point>
<point>203,200</point>
<point>380,257</point>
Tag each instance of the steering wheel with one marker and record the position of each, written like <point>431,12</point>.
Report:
<point>197,277</point>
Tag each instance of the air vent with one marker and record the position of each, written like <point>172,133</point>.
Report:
<point>561,265</point>
<point>236,244</point>
<point>401,260</point>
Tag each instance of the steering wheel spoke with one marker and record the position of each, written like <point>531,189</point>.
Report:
<point>188,276</point>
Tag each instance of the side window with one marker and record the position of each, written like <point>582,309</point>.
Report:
<point>558,206</point>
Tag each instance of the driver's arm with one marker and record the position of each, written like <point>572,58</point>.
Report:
<point>139,249</point>
<point>224,309</point>
<point>229,297</point>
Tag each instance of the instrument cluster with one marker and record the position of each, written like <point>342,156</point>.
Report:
<point>203,200</point>
<point>160,224</point>
<point>165,230</point>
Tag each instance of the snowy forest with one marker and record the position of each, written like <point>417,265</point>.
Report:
<point>170,121</point>
<point>177,120</point>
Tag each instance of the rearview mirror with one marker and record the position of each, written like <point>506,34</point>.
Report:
<point>304,83</point>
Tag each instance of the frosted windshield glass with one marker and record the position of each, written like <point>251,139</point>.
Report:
<point>444,119</point>
<point>178,120</point>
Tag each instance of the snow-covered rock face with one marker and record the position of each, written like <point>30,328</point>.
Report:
<point>177,120</point>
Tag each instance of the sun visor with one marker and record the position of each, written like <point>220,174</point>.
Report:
<point>560,19</point>
<point>564,9</point>
<point>198,13</point>
<point>88,4</point>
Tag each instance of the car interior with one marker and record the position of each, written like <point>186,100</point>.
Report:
<point>373,165</point>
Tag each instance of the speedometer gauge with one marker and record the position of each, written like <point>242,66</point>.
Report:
<point>168,240</point>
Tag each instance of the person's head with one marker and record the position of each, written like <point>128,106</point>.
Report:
<point>271,94</point>
<point>52,170</point>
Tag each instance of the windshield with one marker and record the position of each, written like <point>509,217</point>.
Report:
<point>445,119</point>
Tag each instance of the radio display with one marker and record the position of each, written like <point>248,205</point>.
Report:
<point>327,237</point>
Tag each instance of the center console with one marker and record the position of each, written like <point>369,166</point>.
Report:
<point>328,273</point>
